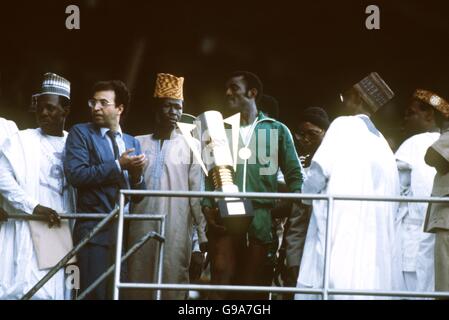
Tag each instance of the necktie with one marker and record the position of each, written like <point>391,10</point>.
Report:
<point>111,134</point>
<point>124,182</point>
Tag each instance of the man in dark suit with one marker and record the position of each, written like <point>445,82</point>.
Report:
<point>101,160</point>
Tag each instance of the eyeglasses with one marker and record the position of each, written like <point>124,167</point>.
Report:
<point>310,134</point>
<point>103,103</point>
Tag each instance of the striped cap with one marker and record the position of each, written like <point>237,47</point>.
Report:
<point>433,100</point>
<point>169,86</point>
<point>374,91</point>
<point>54,84</point>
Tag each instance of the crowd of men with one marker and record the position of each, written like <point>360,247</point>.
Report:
<point>374,245</point>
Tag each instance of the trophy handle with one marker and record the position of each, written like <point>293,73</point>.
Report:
<point>186,130</point>
<point>234,121</point>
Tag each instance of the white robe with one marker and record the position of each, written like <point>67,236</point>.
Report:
<point>7,128</point>
<point>170,167</point>
<point>353,159</point>
<point>25,167</point>
<point>416,180</point>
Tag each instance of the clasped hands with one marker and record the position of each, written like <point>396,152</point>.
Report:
<point>134,164</point>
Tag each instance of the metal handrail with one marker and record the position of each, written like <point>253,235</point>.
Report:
<point>83,216</point>
<point>106,218</point>
<point>277,195</point>
<point>325,291</point>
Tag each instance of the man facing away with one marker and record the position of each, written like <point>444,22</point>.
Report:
<point>353,159</point>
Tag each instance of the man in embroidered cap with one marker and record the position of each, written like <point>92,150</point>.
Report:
<point>436,250</point>
<point>424,115</point>
<point>353,159</point>
<point>101,160</point>
<point>170,167</point>
<point>32,181</point>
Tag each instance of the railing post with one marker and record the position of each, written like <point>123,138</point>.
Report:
<point>161,260</point>
<point>118,251</point>
<point>327,249</point>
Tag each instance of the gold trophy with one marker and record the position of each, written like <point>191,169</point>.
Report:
<point>219,160</point>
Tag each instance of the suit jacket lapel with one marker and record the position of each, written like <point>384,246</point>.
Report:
<point>102,145</point>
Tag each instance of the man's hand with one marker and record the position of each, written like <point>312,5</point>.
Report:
<point>134,164</point>
<point>211,215</point>
<point>196,266</point>
<point>51,215</point>
<point>137,167</point>
<point>3,215</point>
<point>204,247</point>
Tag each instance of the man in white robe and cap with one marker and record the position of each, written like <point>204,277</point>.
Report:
<point>353,159</point>
<point>170,167</point>
<point>32,182</point>
<point>423,114</point>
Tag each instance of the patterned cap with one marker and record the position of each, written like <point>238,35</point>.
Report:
<point>433,100</point>
<point>374,91</point>
<point>169,86</point>
<point>54,84</point>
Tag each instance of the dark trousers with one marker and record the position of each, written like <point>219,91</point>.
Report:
<point>93,261</point>
<point>233,262</point>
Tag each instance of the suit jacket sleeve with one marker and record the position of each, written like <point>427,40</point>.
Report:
<point>79,170</point>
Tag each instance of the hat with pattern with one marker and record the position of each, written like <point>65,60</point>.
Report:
<point>169,86</point>
<point>54,84</point>
<point>433,100</point>
<point>374,91</point>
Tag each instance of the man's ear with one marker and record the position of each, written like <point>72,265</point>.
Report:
<point>358,98</point>
<point>297,136</point>
<point>429,114</point>
<point>66,111</point>
<point>121,108</point>
<point>252,93</point>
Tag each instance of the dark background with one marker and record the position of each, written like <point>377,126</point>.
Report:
<point>305,52</point>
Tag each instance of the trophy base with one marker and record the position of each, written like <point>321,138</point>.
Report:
<point>236,215</point>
